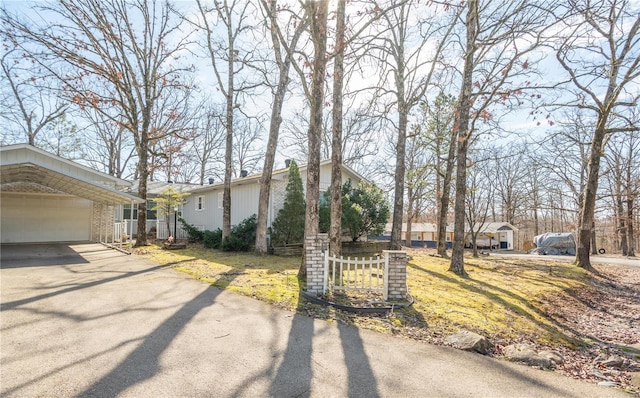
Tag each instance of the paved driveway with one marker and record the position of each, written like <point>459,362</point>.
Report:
<point>83,320</point>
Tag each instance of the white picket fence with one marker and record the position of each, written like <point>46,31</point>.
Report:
<point>120,231</point>
<point>353,274</point>
<point>162,233</point>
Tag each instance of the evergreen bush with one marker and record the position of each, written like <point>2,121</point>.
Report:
<point>212,239</point>
<point>288,227</point>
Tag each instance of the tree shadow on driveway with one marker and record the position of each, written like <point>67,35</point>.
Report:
<point>143,362</point>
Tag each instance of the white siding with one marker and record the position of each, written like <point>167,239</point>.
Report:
<point>244,199</point>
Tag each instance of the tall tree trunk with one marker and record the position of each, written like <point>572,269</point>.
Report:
<point>319,36</point>
<point>410,205</point>
<point>444,198</point>
<point>398,201</point>
<point>594,247</point>
<point>631,244</point>
<point>335,232</point>
<point>228,151</point>
<point>461,130</point>
<point>589,203</point>
<point>274,128</point>
<point>143,173</point>
<point>620,215</point>
<point>630,230</point>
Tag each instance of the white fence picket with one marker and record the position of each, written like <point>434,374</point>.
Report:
<point>357,274</point>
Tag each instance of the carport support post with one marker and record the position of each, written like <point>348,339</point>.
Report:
<point>100,225</point>
<point>130,223</point>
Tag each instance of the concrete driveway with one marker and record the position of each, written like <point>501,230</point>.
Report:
<point>84,320</point>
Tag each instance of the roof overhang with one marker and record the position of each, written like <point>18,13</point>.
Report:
<point>23,165</point>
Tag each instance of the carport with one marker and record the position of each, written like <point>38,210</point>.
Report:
<point>45,198</point>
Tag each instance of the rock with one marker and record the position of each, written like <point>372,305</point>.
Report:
<point>600,358</point>
<point>595,372</point>
<point>469,341</point>
<point>525,353</point>
<point>613,362</point>
<point>608,384</point>
<point>553,356</point>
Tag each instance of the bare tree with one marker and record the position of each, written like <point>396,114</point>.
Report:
<point>317,11</point>
<point>131,50</point>
<point>408,66</point>
<point>621,165</point>
<point>418,177</point>
<point>112,149</point>
<point>229,62</point>
<point>208,143</point>
<point>335,231</point>
<point>283,48</point>
<point>246,150</point>
<point>440,141</point>
<point>499,38</point>
<point>599,51</point>
<point>29,102</point>
<point>478,201</point>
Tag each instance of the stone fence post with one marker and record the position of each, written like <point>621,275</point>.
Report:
<point>395,274</point>
<point>314,247</point>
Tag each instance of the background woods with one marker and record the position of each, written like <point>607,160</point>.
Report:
<point>524,112</point>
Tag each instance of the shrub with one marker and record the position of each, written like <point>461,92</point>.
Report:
<point>194,235</point>
<point>212,239</point>
<point>242,236</point>
<point>288,226</point>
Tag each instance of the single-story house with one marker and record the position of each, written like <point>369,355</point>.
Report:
<point>493,235</point>
<point>203,207</point>
<point>422,234</point>
<point>45,198</point>
<point>497,235</point>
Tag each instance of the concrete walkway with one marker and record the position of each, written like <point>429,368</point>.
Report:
<point>83,320</point>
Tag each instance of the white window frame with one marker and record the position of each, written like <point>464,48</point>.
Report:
<point>200,203</point>
<point>220,200</point>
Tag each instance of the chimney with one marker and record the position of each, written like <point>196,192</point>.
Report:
<point>210,180</point>
<point>287,163</point>
<point>244,173</point>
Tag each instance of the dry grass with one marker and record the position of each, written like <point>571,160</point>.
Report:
<point>269,278</point>
<point>501,298</point>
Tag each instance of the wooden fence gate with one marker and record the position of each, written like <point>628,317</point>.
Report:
<point>359,275</point>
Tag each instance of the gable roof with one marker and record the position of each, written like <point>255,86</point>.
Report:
<point>493,227</point>
<point>23,164</point>
<point>278,174</point>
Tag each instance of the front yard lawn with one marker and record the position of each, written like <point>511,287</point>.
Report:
<point>550,304</point>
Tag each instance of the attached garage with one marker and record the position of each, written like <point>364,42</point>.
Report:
<point>45,198</point>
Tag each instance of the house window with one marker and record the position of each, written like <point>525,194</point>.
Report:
<point>151,214</point>
<point>220,200</point>
<point>200,203</point>
<point>126,212</point>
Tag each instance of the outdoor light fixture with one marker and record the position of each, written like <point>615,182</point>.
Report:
<point>175,223</point>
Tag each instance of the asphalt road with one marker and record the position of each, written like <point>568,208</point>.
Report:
<point>599,259</point>
<point>87,321</point>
